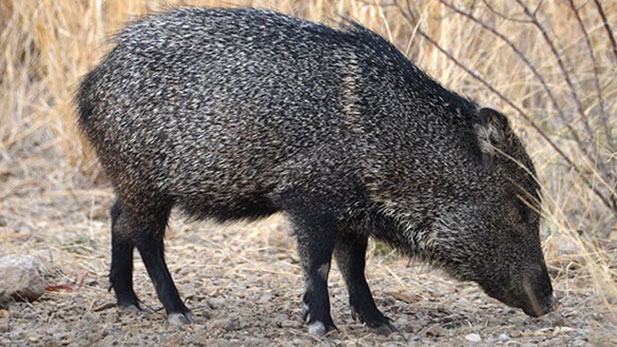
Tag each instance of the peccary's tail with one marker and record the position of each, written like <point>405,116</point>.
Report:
<point>84,98</point>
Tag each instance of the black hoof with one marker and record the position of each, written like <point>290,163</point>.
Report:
<point>317,327</point>
<point>179,319</point>
<point>375,321</point>
<point>384,329</point>
<point>320,329</point>
<point>130,308</point>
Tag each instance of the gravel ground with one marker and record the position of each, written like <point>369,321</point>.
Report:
<point>243,283</point>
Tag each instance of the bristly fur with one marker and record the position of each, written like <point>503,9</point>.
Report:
<point>240,113</point>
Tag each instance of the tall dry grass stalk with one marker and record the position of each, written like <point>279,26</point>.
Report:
<point>551,65</point>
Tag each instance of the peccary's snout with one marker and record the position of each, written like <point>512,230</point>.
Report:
<point>540,299</point>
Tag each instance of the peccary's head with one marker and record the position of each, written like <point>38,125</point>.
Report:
<point>492,237</point>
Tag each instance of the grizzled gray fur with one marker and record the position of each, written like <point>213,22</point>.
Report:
<point>240,113</point>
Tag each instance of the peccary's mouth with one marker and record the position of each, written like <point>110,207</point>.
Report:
<point>533,306</point>
<point>537,310</point>
<point>528,301</point>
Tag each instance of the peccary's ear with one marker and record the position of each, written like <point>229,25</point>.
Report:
<point>491,132</point>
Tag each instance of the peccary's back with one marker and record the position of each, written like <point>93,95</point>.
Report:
<point>206,104</point>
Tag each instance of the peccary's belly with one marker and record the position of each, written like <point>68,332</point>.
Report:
<point>224,187</point>
<point>211,171</point>
<point>224,207</point>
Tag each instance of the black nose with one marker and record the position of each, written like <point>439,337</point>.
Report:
<point>546,305</point>
<point>550,304</point>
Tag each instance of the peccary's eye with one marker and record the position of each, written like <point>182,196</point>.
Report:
<point>525,213</point>
<point>523,210</point>
<point>518,211</point>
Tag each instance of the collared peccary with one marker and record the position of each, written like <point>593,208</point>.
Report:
<point>239,113</point>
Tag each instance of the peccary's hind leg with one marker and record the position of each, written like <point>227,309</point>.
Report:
<point>149,242</point>
<point>122,245</point>
<point>316,234</point>
<point>350,253</point>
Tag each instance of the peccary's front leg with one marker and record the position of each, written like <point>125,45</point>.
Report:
<point>350,256</point>
<point>316,234</point>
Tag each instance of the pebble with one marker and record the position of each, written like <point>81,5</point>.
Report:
<point>280,318</point>
<point>473,337</point>
<point>397,337</point>
<point>267,298</point>
<point>288,323</point>
<point>515,333</point>
<point>16,335</point>
<point>558,320</point>
<point>252,341</point>
<point>504,337</point>
<point>388,301</point>
<point>435,330</point>
<point>225,324</point>
<point>416,338</point>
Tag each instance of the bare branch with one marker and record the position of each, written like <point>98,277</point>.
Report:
<point>502,16</point>
<point>408,15</point>
<point>603,113</point>
<point>607,27</point>
<point>538,8</point>
<point>566,75</point>
<point>534,71</point>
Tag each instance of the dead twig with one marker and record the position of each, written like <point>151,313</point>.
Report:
<point>603,113</point>
<point>607,27</point>
<point>501,15</point>
<point>566,121</point>
<point>408,15</point>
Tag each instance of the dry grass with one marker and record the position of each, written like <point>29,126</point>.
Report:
<point>45,46</point>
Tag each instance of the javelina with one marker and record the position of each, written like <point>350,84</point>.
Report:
<point>240,113</point>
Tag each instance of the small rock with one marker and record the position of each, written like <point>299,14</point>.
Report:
<point>252,341</point>
<point>58,336</point>
<point>300,342</point>
<point>4,314</point>
<point>21,278</point>
<point>416,338</point>
<point>565,244</point>
<point>288,323</point>
<point>396,337</point>
<point>558,320</point>
<point>473,337</point>
<point>267,298</point>
<point>16,335</point>
<point>224,323</point>
<point>434,331</point>
<point>388,301</point>
<point>515,333</point>
<point>504,337</point>
<point>279,319</point>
